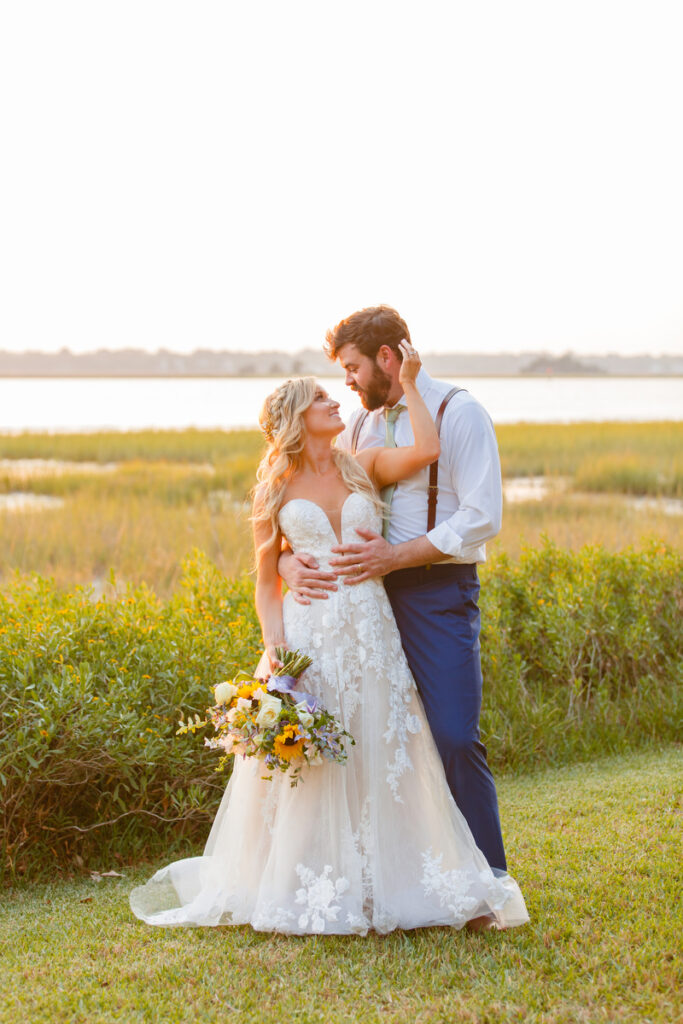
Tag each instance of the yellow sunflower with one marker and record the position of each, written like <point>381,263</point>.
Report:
<point>289,744</point>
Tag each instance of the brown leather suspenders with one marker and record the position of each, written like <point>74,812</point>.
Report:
<point>357,427</point>
<point>433,488</point>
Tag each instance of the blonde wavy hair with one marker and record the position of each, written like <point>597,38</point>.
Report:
<point>281,421</point>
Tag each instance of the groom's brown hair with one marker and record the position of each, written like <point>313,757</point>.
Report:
<point>368,330</point>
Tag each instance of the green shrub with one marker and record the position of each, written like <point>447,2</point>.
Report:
<point>91,695</point>
<point>581,655</point>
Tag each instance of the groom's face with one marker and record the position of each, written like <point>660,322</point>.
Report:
<point>365,377</point>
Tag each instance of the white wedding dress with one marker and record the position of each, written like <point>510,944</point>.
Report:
<point>375,843</point>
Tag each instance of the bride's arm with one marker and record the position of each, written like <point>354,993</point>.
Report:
<point>268,597</point>
<point>387,465</point>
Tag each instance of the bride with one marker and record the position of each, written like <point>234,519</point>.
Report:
<point>377,842</point>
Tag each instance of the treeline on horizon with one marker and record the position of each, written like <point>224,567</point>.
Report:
<point>132,362</point>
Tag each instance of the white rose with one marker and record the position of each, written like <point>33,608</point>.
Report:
<point>224,692</point>
<point>305,716</point>
<point>269,712</point>
<point>260,694</point>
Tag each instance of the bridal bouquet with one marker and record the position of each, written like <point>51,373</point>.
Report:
<point>273,721</point>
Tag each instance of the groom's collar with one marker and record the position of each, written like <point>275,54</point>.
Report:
<point>423,382</point>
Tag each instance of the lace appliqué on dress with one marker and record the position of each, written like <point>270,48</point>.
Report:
<point>362,842</point>
<point>273,918</point>
<point>451,887</point>
<point>400,724</point>
<point>320,896</point>
<point>352,636</point>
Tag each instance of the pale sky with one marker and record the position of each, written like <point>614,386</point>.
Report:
<point>192,174</point>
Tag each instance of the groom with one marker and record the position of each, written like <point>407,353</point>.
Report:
<point>430,575</point>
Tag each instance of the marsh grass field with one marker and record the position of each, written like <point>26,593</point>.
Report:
<point>127,597</point>
<point>139,502</point>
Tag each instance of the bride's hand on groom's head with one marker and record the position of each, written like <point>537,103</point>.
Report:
<point>306,580</point>
<point>359,562</point>
<point>410,367</point>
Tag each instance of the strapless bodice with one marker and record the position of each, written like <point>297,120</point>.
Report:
<point>307,527</point>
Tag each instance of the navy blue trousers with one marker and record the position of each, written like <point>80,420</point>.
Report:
<point>438,618</point>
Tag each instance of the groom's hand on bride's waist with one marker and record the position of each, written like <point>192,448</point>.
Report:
<point>359,562</point>
<point>376,557</point>
<point>304,578</point>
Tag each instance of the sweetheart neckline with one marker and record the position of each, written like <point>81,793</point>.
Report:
<point>309,501</point>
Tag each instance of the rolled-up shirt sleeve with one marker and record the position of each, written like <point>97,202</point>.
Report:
<point>469,466</point>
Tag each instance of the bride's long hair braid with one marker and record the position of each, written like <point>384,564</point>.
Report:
<point>281,420</point>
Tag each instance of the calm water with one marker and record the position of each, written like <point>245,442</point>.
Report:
<point>75,405</point>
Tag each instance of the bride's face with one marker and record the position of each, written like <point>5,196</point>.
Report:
<point>322,416</point>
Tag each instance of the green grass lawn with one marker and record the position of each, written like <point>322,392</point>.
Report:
<point>596,849</point>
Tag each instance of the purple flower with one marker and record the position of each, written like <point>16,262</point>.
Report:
<point>312,703</point>
<point>281,684</point>
<point>287,684</point>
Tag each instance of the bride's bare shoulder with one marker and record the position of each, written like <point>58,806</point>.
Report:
<point>263,492</point>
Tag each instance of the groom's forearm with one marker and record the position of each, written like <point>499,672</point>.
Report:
<point>411,553</point>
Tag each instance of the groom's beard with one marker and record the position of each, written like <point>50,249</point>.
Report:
<point>375,395</point>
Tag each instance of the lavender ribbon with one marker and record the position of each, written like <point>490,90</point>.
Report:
<point>287,684</point>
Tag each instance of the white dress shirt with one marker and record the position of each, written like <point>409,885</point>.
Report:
<point>470,499</point>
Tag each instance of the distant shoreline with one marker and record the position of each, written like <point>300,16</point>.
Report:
<point>332,376</point>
